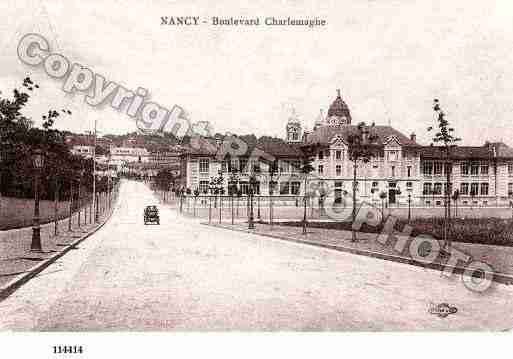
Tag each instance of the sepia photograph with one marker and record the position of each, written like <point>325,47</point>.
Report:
<point>273,168</point>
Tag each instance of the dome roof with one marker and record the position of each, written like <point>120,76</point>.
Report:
<point>339,108</point>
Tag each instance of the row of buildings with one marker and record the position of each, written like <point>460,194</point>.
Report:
<point>129,156</point>
<point>402,169</point>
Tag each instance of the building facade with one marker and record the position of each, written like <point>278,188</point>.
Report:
<point>400,170</point>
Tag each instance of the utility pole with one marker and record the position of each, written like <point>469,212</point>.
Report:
<point>95,203</point>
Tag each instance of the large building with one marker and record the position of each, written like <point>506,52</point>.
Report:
<point>401,169</point>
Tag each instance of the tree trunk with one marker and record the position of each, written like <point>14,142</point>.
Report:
<point>353,233</point>
<point>304,209</point>
<point>447,232</point>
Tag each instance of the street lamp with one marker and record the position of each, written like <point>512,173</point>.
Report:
<point>252,185</point>
<point>38,162</point>
<point>409,207</point>
<point>79,199</point>
<point>3,157</point>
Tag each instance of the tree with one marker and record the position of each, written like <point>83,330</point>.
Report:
<point>383,196</point>
<point>216,186</point>
<point>19,138</point>
<point>361,148</point>
<point>305,170</point>
<point>272,171</point>
<point>447,142</point>
<point>455,197</point>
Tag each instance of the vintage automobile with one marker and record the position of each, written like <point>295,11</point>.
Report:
<point>151,215</point>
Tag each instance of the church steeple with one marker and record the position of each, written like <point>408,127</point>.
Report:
<point>293,128</point>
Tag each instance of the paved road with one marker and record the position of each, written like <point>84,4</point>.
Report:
<point>185,276</point>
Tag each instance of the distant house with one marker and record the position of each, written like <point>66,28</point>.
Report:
<point>129,154</point>
<point>81,150</point>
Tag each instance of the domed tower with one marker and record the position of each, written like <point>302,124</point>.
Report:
<point>293,128</point>
<point>338,113</point>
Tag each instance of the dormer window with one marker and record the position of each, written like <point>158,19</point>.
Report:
<point>393,155</point>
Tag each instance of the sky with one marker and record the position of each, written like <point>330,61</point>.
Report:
<point>389,58</point>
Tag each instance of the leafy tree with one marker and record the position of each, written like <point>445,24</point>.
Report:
<point>19,138</point>
<point>305,170</point>
<point>361,148</point>
<point>446,141</point>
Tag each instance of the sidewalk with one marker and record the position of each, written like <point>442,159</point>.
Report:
<point>18,263</point>
<point>499,257</point>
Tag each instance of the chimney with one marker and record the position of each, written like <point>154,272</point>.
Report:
<point>413,137</point>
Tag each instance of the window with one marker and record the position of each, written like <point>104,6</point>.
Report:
<point>294,188</point>
<point>338,170</point>
<point>408,170</point>
<point>484,189</point>
<point>484,170</point>
<point>321,155</point>
<point>464,189</point>
<point>393,171</point>
<point>203,187</point>
<point>224,166</point>
<point>244,187</point>
<point>272,187</point>
<point>320,169</point>
<point>438,188</point>
<point>327,153</point>
<point>392,155</point>
<point>338,184</point>
<point>295,166</point>
<point>438,168</point>
<point>284,166</point>
<point>255,164</point>
<point>338,155</point>
<point>374,184</point>
<point>257,188</point>
<point>284,188</point>
<point>243,162</point>
<point>464,167</point>
<point>234,165</point>
<point>204,165</point>
<point>510,169</point>
<point>474,189</point>
<point>427,168</point>
<point>409,185</point>
<point>474,169</point>
<point>510,189</point>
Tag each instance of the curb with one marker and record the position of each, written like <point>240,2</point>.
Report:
<point>17,282</point>
<point>496,277</point>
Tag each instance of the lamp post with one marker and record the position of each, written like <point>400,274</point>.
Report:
<point>79,196</point>
<point>57,186</point>
<point>2,159</point>
<point>70,201</point>
<point>96,202</point>
<point>252,186</point>
<point>409,207</point>
<point>210,206</point>
<point>38,162</point>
